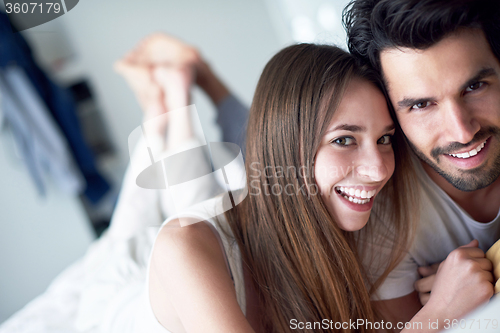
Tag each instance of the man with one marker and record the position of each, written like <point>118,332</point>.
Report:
<point>440,64</point>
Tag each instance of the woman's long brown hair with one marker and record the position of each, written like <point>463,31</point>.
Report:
<point>302,264</point>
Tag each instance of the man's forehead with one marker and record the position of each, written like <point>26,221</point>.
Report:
<point>405,68</point>
<point>389,68</point>
<point>450,62</point>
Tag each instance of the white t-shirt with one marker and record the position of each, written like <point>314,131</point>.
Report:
<point>443,227</point>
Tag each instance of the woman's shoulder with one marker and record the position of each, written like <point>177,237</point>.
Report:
<point>186,241</point>
<point>188,266</point>
<point>203,227</point>
<point>192,233</point>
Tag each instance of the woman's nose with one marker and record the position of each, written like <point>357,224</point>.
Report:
<point>375,165</point>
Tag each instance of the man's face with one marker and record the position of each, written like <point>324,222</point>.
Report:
<point>447,101</point>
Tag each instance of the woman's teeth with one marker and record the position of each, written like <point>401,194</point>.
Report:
<point>357,196</point>
<point>471,153</point>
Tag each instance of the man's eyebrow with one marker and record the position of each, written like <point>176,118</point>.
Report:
<point>483,73</point>
<point>407,102</point>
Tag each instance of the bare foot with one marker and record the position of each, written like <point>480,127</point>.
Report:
<point>163,49</point>
<point>160,49</point>
<point>176,83</point>
<point>147,91</point>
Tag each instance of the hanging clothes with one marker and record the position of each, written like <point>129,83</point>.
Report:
<point>15,51</point>
<point>38,138</point>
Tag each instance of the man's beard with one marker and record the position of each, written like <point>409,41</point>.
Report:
<point>466,180</point>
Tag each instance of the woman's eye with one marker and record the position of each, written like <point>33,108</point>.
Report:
<point>385,140</point>
<point>344,141</point>
<point>421,105</point>
<point>474,86</point>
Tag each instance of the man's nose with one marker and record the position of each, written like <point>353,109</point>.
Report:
<point>459,123</point>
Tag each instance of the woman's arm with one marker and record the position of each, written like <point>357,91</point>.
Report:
<point>189,275</point>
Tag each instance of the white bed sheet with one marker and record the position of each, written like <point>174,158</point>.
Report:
<point>55,310</point>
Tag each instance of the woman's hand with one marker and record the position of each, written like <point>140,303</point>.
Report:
<point>424,285</point>
<point>462,282</point>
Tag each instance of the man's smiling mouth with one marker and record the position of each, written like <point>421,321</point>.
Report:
<point>470,153</point>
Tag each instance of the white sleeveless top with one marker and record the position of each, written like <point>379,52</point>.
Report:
<point>131,310</point>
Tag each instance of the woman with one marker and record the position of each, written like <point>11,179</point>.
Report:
<point>321,146</point>
<point>319,150</point>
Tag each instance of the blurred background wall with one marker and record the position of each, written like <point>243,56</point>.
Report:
<point>39,236</point>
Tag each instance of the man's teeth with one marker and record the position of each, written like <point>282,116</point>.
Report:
<point>357,196</point>
<point>471,153</point>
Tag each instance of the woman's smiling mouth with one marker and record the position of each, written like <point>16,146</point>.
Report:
<point>356,196</point>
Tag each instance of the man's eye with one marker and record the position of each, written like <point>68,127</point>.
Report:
<point>421,105</point>
<point>474,86</point>
<point>385,140</point>
<point>344,141</point>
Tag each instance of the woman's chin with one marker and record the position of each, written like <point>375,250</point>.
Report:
<point>354,224</point>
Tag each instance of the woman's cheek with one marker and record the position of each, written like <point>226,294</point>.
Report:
<point>330,169</point>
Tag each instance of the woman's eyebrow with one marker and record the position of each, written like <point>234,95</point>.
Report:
<point>346,127</point>
<point>357,128</point>
<point>389,128</point>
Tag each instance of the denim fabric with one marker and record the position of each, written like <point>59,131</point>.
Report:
<point>15,51</point>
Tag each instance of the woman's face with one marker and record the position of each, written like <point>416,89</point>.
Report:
<point>355,158</point>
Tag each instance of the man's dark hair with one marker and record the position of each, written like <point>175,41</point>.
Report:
<point>375,25</point>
